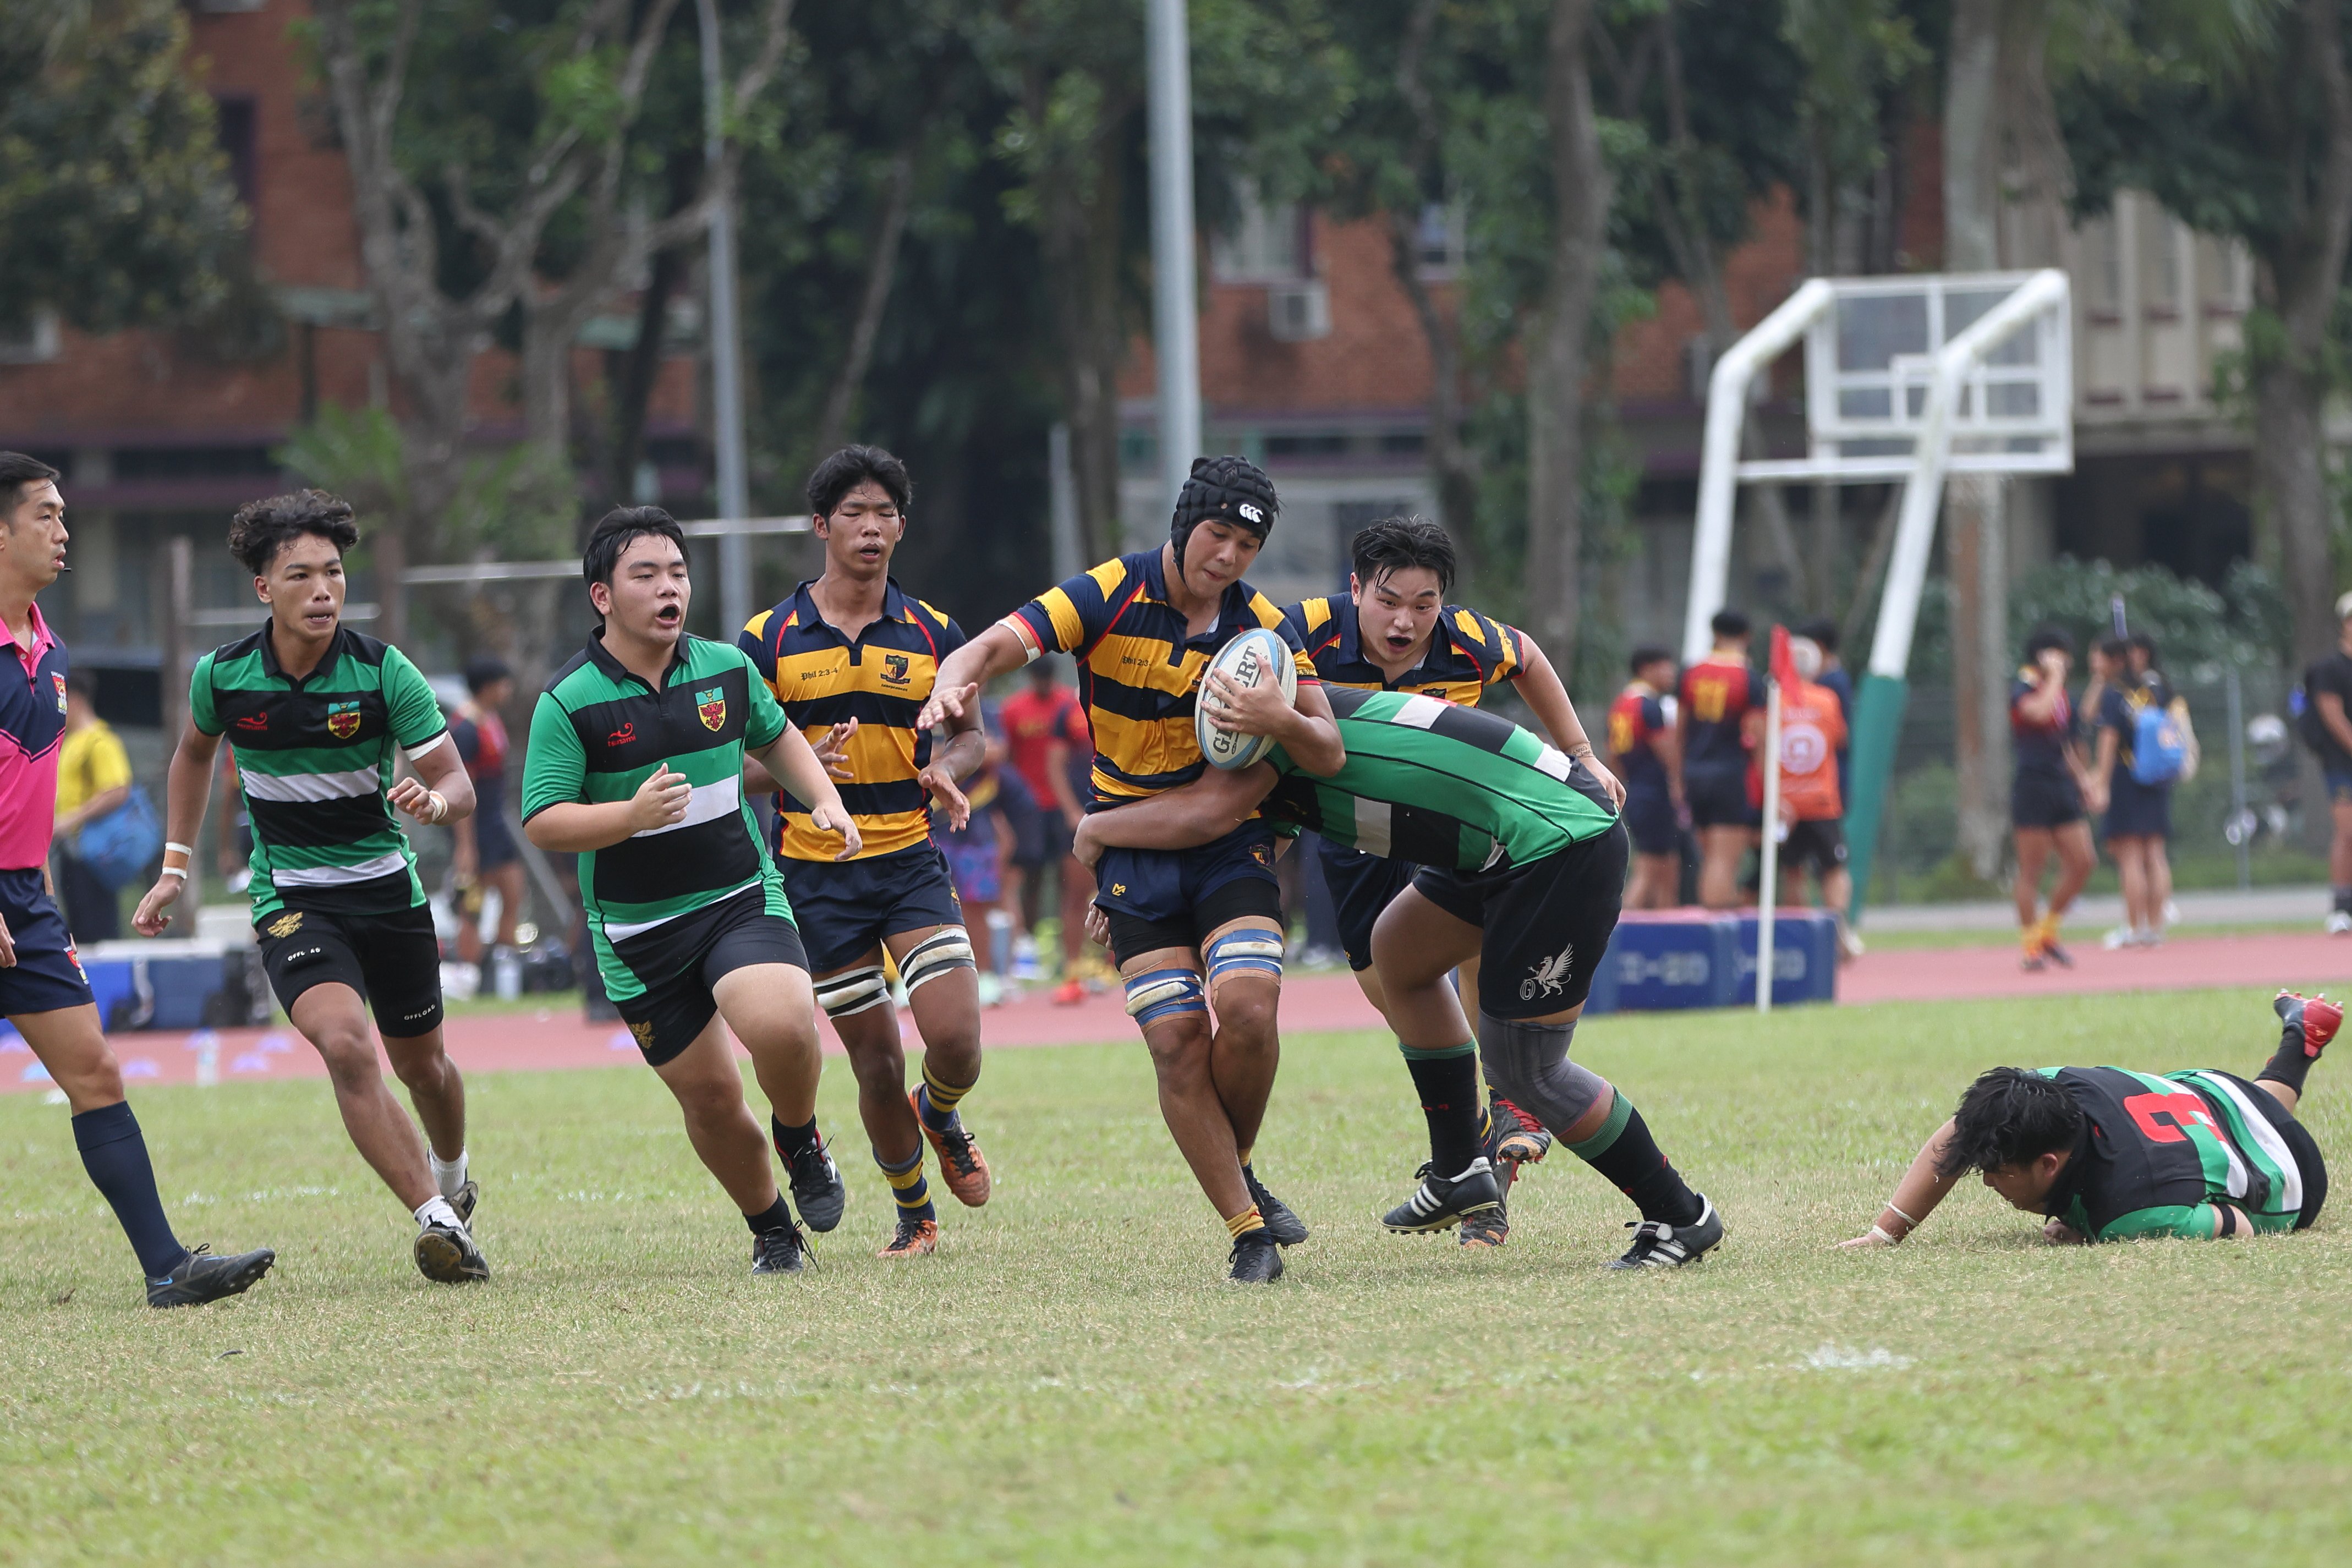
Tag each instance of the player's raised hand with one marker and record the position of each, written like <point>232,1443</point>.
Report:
<point>150,920</point>
<point>941,786</point>
<point>944,703</point>
<point>660,802</point>
<point>835,818</point>
<point>833,752</point>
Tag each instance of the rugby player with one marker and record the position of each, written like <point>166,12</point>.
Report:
<point>1394,632</point>
<point>1143,628</point>
<point>851,657</point>
<point>316,712</point>
<point>43,991</point>
<point>1523,863</point>
<point>636,766</point>
<point>1641,753</point>
<point>1717,715</point>
<point>2106,1154</point>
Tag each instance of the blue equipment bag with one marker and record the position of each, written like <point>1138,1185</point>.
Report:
<point>120,846</point>
<point>2160,746</point>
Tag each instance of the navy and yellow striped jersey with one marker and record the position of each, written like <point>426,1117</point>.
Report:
<point>882,680</point>
<point>1138,670</point>
<point>1467,651</point>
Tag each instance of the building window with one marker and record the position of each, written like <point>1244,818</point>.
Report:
<point>29,337</point>
<point>239,140</point>
<point>1441,242</point>
<point>1268,244</point>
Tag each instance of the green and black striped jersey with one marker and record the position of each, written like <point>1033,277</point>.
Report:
<point>1439,784</point>
<point>2157,1153</point>
<point>313,761</point>
<point>599,732</point>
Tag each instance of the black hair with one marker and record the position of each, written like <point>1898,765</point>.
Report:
<point>1225,490</point>
<point>2145,644</point>
<point>1729,624</point>
<point>2114,647</point>
<point>82,681</point>
<point>616,531</point>
<point>262,528</point>
<point>485,671</point>
<point>1823,633</point>
<point>1400,544</point>
<point>1045,666</point>
<point>2010,1117</point>
<point>852,467</point>
<point>17,471</point>
<point>2045,638</point>
<point>1646,655</point>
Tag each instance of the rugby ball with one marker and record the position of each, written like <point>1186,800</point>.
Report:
<point>1251,660</point>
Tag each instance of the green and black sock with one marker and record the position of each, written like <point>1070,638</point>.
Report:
<point>1624,1151</point>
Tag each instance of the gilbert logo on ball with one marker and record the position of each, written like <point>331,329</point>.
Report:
<point>1249,661</point>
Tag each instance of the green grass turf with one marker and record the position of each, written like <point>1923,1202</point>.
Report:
<point>1069,1382</point>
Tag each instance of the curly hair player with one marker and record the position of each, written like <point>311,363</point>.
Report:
<point>2106,1154</point>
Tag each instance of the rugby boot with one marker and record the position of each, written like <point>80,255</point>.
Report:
<point>1488,1229</point>
<point>1657,1244</point>
<point>1513,1138</point>
<point>817,1189</point>
<point>963,1166</point>
<point>1441,1203</point>
<point>2052,948</point>
<point>1257,1260</point>
<point>445,1253</point>
<point>780,1251</point>
<point>2315,1016</point>
<point>1287,1228</point>
<point>915,1238</point>
<point>464,1199</point>
<point>205,1275</point>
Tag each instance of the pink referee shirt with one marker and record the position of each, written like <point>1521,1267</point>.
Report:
<point>32,724</point>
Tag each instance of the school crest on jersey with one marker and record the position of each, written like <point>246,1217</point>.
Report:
<point>711,706</point>
<point>344,718</point>
<point>59,682</point>
<point>893,669</point>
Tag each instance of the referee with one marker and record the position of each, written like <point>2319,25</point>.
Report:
<point>43,991</point>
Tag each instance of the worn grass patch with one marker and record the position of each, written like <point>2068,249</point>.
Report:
<point>1068,1381</point>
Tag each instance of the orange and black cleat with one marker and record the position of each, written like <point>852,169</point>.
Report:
<point>961,1165</point>
<point>2316,1016</point>
<point>915,1238</point>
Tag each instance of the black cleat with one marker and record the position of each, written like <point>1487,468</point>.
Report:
<point>1513,1139</point>
<point>1657,1244</point>
<point>205,1277</point>
<point>784,1251</point>
<point>464,1199</point>
<point>1287,1228</point>
<point>1488,1228</point>
<point>1257,1259</point>
<point>817,1190</point>
<point>1441,1203</point>
<point>445,1253</point>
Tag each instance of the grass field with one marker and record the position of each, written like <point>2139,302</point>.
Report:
<point>1069,1382</point>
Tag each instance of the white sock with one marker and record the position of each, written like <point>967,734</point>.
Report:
<point>437,1211</point>
<point>449,1175</point>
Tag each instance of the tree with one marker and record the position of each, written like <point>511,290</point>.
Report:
<point>116,208</point>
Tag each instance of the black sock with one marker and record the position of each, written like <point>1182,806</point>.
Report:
<point>1624,1151</point>
<point>775,1216</point>
<point>115,1155</point>
<point>1447,1083</point>
<point>2343,900</point>
<point>2288,1066</point>
<point>791,1140</point>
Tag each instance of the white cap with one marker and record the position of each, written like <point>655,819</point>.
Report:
<point>2344,607</point>
<point>1806,655</point>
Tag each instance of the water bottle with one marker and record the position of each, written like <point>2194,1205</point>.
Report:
<point>1000,941</point>
<point>506,974</point>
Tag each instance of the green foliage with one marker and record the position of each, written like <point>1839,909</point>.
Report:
<point>520,504</point>
<point>2196,627</point>
<point>116,208</point>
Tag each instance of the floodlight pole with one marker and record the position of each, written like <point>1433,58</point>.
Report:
<point>1768,887</point>
<point>1175,318</point>
<point>726,365</point>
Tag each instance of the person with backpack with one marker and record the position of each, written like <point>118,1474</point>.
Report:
<point>2323,719</point>
<point>2143,751</point>
<point>105,838</point>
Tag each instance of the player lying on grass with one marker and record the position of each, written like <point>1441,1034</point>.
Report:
<point>1523,865</point>
<point>2105,1155</point>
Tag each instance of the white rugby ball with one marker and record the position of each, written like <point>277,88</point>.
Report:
<point>1251,660</point>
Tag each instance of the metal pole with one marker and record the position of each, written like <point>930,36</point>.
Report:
<point>726,366</point>
<point>1175,319</point>
<point>1063,488</point>
<point>2235,691</point>
<point>1768,888</point>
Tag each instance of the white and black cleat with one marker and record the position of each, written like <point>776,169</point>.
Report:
<point>1441,1203</point>
<point>445,1253</point>
<point>1657,1244</point>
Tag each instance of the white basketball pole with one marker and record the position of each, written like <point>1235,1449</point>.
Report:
<point>1767,894</point>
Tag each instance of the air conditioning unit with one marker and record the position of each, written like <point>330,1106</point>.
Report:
<point>1299,313</point>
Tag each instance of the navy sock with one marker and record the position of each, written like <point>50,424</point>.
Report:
<point>1624,1151</point>
<point>1447,1083</point>
<point>775,1216</point>
<point>115,1155</point>
<point>791,1140</point>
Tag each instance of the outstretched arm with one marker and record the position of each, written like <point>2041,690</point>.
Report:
<point>793,762</point>
<point>1200,813</point>
<point>997,651</point>
<point>1916,1196</point>
<point>187,789</point>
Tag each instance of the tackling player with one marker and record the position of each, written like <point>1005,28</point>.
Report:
<point>43,991</point>
<point>2105,1155</point>
<point>851,657</point>
<point>1523,866</point>
<point>1642,753</point>
<point>316,712</point>
<point>1393,631</point>
<point>636,766</point>
<point>1143,628</point>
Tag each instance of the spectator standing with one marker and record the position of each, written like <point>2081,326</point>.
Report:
<point>1823,634</point>
<point>2136,769</point>
<point>1708,770</point>
<point>977,855</point>
<point>1641,749</point>
<point>1812,807</point>
<point>1048,745</point>
<point>486,853</point>
<point>2046,794</point>
<point>93,779</point>
<point>2326,725</point>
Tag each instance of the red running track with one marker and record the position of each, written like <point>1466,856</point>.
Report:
<point>558,1038</point>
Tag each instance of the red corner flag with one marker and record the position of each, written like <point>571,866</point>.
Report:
<point>1784,665</point>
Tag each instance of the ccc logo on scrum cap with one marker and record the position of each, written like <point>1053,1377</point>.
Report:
<point>1250,512</point>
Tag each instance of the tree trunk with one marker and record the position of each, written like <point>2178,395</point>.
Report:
<point>881,269</point>
<point>2290,455</point>
<point>1452,464</point>
<point>1558,361</point>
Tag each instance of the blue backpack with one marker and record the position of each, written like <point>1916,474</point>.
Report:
<point>120,846</point>
<point>2160,746</point>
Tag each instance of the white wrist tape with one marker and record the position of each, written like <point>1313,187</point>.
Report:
<point>187,849</point>
<point>1898,1213</point>
<point>179,871</point>
<point>1880,1232</point>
